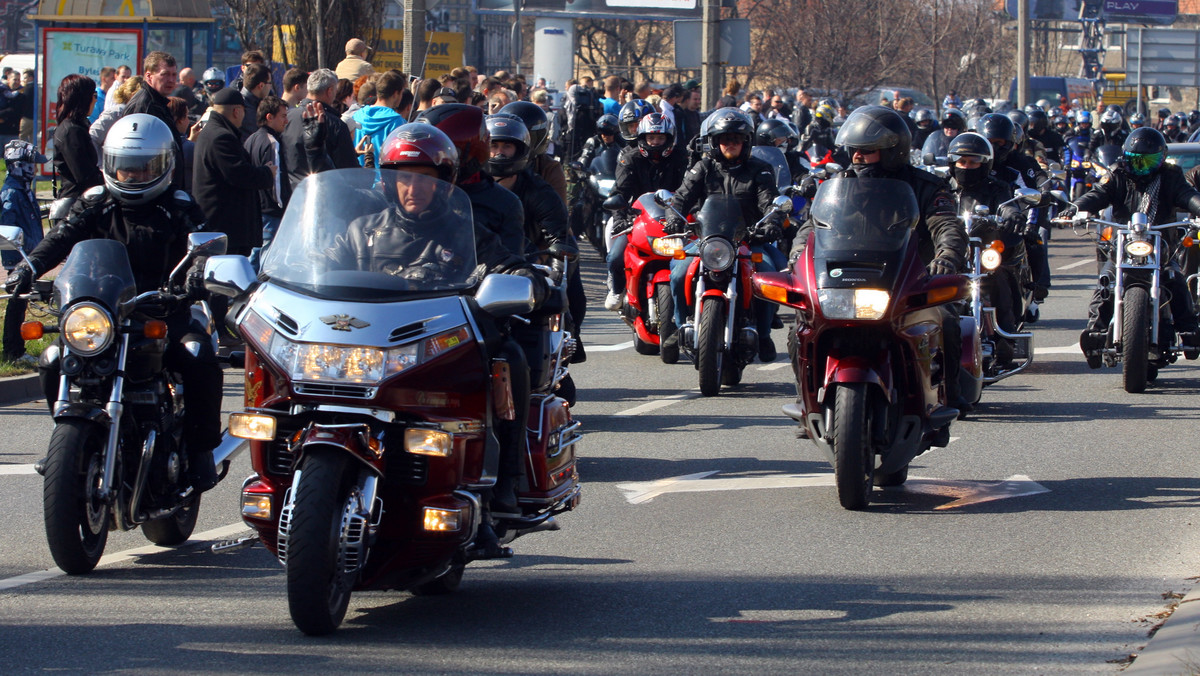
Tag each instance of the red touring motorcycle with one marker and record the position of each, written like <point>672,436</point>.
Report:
<point>867,348</point>
<point>370,396</point>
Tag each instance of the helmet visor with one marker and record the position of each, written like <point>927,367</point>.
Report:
<point>1144,164</point>
<point>136,170</point>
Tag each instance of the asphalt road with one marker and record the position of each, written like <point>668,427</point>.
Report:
<point>1045,539</point>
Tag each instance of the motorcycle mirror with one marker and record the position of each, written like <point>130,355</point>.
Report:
<point>564,250</point>
<point>1059,196</point>
<point>1058,175</point>
<point>833,168</point>
<point>662,197</point>
<point>820,173</point>
<point>60,208</point>
<point>1055,166</point>
<point>617,202</point>
<point>928,159</point>
<point>207,243</point>
<point>982,210</point>
<point>782,203</point>
<point>576,165</point>
<point>228,275</point>
<point>12,238</point>
<point>504,295</point>
<point>1028,196</point>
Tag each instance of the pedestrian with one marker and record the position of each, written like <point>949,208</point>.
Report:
<point>264,148</point>
<point>107,75</point>
<point>75,159</point>
<point>334,149</point>
<point>19,209</point>
<point>183,126</point>
<point>162,75</point>
<point>378,120</point>
<point>119,98</point>
<point>187,90</point>
<point>256,84</point>
<point>355,64</point>
<point>295,86</point>
<point>122,74</point>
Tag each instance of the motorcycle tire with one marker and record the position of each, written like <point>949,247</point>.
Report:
<point>318,588</point>
<point>76,518</point>
<point>854,458</point>
<point>896,478</point>
<point>732,375</point>
<point>710,337</point>
<point>175,529</point>
<point>664,307</point>
<point>1135,339</point>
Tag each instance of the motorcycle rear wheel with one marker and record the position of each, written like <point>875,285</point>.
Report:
<point>76,519</point>
<point>664,307</point>
<point>855,460</point>
<point>710,336</point>
<point>175,529</point>
<point>318,588</point>
<point>1135,339</point>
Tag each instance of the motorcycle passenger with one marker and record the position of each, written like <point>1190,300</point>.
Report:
<point>879,141</point>
<point>781,134</point>
<point>1142,181</point>
<point>1110,132</point>
<point>1040,131</point>
<point>973,183</point>
<point>136,207</point>
<point>926,125</point>
<point>728,169</point>
<point>654,163</point>
<point>1020,171</point>
<point>606,137</point>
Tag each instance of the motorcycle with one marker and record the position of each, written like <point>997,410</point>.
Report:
<point>1139,337</point>
<point>371,396</point>
<point>117,456</point>
<point>866,349</point>
<point>596,183</point>
<point>721,339</point>
<point>1080,173</point>
<point>648,306</point>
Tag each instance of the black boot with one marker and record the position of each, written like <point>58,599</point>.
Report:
<point>202,470</point>
<point>580,355</point>
<point>1092,342</point>
<point>486,545</point>
<point>504,498</point>
<point>766,349</point>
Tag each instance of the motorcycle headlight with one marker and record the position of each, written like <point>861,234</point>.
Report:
<point>853,303</point>
<point>666,246</point>
<point>1138,248</point>
<point>990,259</point>
<point>717,254</point>
<point>87,329</point>
<point>604,186</point>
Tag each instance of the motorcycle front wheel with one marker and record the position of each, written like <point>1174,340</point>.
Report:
<point>76,518</point>
<point>175,529</point>
<point>664,307</point>
<point>710,339</point>
<point>855,460</point>
<point>318,586</point>
<point>1135,339</point>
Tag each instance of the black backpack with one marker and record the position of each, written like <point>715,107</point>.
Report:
<point>582,108</point>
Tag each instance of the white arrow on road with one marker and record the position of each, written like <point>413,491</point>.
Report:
<point>963,492</point>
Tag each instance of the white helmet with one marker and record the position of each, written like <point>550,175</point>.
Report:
<point>139,158</point>
<point>214,80</point>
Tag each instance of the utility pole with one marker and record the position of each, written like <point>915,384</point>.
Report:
<point>515,41</point>
<point>710,65</point>
<point>1022,53</point>
<point>413,60</point>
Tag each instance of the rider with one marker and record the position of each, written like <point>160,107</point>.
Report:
<point>781,134</point>
<point>1142,181</point>
<point>1110,132</point>
<point>820,131</point>
<point>1040,131</point>
<point>953,123</point>
<point>654,163</point>
<point>879,141</point>
<point>606,137</point>
<point>728,169</point>
<point>926,124</point>
<point>136,207</point>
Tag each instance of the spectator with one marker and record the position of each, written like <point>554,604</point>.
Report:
<point>355,64</point>
<point>689,113</point>
<point>248,59</point>
<point>10,114</point>
<point>107,75</point>
<point>161,75</point>
<point>20,209</point>
<point>364,95</point>
<point>541,98</point>
<point>498,100</point>
<point>671,98</point>
<point>25,105</point>
<point>182,126</point>
<point>225,181</point>
<point>612,95</point>
<point>295,86</point>
<point>123,73</point>
<point>378,120</point>
<point>405,107</point>
<point>426,91</point>
<point>256,84</point>
<point>330,145</point>
<point>187,91</point>
<point>343,96</point>
<point>119,97</point>
<point>264,149</point>
<point>75,159</point>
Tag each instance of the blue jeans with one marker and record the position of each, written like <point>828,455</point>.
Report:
<point>764,312</point>
<point>270,225</point>
<point>616,263</point>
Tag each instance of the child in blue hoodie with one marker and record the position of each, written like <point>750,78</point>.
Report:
<point>20,209</point>
<point>378,120</point>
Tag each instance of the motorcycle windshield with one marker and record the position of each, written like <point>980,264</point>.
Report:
<point>721,215</point>
<point>1108,154</point>
<point>1078,147</point>
<point>774,157</point>
<point>646,203</point>
<point>863,215</point>
<point>348,236</point>
<point>604,164</point>
<point>99,270</point>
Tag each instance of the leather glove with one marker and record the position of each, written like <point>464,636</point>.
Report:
<point>20,280</point>
<point>1068,211</point>
<point>675,225</point>
<point>314,133</point>
<point>195,279</point>
<point>942,266</point>
<point>808,187</point>
<point>769,232</point>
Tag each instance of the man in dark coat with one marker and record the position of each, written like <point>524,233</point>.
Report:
<point>315,138</point>
<point>162,76</point>
<point>224,181</point>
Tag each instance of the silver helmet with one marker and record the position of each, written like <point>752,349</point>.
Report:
<point>139,158</point>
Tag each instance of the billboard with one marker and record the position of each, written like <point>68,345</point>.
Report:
<point>443,52</point>
<point>1162,56</point>
<point>1159,12</point>
<point>597,9</point>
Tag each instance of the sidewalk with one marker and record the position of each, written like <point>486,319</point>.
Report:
<point>17,389</point>
<point>1175,648</point>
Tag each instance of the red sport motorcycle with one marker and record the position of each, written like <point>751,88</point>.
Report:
<point>867,348</point>
<point>371,395</point>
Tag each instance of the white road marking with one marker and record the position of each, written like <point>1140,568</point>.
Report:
<point>1065,349</point>
<point>1078,264</point>
<point>611,348</point>
<point>16,469</point>
<point>657,404</point>
<point>128,555</point>
<point>774,366</point>
<point>963,492</point>
<point>759,616</point>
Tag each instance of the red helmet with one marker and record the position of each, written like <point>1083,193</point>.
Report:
<point>420,145</point>
<point>465,126</point>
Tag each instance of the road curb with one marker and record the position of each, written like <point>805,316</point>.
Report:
<point>17,389</point>
<point>1175,648</point>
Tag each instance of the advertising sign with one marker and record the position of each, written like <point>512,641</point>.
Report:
<point>83,51</point>
<point>1159,12</point>
<point>443,53</point>
<point>597,9</point>
<point>1162,56</point>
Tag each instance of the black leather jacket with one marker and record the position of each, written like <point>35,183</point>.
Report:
<point>752,182</point>
<point>545,213</point>
<point>637,175</point>
<point>1121,190</point>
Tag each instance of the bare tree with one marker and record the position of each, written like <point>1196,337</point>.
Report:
<point>256,22</point>
<point>637,50</point>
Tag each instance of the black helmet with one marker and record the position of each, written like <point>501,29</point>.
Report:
<point>1030,107</point>
<point>607,125</point>
<point>535,121</point>
<point>1018,118</point>
<point>970,144</point>
<point>771,132</point>
<point>510,128</point>
<point>1038,121</point>
<point>1194,117</point>
<point>924,115</point>
<point>630,114</point>
<point>1145,151</point>
<point>877,128</point>
<point>729,121</point>
<point>1061,122</point>
<point>1164,113</point>
<point>953,118</point>
<point>1001,132</point>
<point>1111,121</point>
